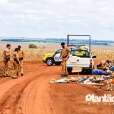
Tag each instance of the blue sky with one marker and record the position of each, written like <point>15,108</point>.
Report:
<point>57,18</point>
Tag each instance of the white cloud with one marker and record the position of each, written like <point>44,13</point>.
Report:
<point>56,18</point>
<point>3,2</point>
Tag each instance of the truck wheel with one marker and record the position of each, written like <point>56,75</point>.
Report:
<point>49,62</point>
<point>87,71</point>
<point>58,63</point>
<point>69,70</point>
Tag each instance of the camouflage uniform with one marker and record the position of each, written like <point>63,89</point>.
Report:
<point>64,55</point>
<point>6,59</point>
<point>16,63</point>
<point>21,57</point>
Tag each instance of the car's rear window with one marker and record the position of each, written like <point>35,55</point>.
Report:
<point>80,53</point>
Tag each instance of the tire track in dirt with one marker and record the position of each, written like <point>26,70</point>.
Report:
<point>33,94</point>
<point>40,100</point>
<point>12,96</point>
<point>36,98</point>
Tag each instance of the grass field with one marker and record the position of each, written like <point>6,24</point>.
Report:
<point>102,52</point>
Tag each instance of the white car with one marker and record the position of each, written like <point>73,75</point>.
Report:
<point>80,62</point>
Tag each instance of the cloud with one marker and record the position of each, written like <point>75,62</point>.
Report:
<point>3,2</point>
<point>56,18</point>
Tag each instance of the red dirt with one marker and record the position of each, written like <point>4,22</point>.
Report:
<point>33,94</point>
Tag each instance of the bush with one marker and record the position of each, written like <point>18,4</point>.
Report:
<point>33,46</point>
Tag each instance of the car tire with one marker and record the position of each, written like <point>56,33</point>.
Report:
<point>69,70</point>
<point>57,63</point>
<point>49,61</point>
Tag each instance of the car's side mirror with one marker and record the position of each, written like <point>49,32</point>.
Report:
<point>94,57</point>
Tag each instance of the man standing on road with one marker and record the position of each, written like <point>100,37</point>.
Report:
<point>64,55</point>
<point>21,58</point>
<point>16,62</point>
<point>7,57</point>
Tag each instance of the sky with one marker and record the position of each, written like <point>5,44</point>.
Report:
<point>57,18</point>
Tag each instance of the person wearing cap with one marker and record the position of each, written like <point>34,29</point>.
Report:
<point>64,56</point>
<point>21,58</point>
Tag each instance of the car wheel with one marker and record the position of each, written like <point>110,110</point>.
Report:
<point>49,61</point>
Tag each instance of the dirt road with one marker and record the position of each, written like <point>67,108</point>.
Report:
<point>33,94</point>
